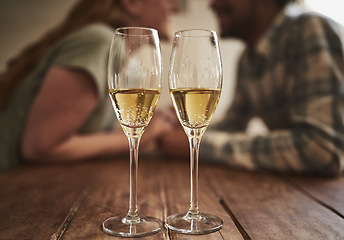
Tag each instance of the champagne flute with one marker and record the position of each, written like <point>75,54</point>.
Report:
<point>134,81</point>
<point>195,81</point>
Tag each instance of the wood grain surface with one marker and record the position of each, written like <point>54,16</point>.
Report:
<point>72,201</point>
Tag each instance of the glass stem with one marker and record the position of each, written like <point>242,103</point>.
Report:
<point>133,215</point>
<point>194,152</point>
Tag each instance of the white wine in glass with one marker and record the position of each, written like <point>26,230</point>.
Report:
<point>134,81</point>
<point>195,82</point>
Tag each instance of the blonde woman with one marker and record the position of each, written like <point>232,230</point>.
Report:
<point>53,96</point>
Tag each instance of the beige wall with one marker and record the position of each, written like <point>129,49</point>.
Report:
<point>24,21</point>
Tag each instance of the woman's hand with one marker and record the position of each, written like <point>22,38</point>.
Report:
<point>156,129</point>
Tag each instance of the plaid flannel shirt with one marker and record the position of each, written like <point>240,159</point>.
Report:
<point>293,79</point>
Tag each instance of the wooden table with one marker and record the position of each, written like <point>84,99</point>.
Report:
<point>71,201</point>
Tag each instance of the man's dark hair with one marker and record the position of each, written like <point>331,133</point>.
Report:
<point>282,3</point>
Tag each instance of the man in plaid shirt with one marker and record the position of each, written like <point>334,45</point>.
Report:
<point>291,75</point>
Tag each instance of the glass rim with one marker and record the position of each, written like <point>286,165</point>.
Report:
<point>120,30</point>
<point>199,30</point>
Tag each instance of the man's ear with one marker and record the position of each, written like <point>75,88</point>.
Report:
<point>132,7</point>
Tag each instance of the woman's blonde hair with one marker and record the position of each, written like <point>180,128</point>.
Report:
<point>84,12</point>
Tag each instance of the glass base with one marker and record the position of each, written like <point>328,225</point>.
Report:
<point>142,226</point>
<point>188,223</point>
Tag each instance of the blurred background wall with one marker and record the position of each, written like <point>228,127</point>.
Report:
<point>24,21</point>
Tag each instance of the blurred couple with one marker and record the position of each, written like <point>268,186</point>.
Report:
<point>291,75</point>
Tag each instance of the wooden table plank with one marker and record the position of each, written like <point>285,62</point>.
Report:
<point>268,208</point>
<point>177,191</point>
<point>109,196</point>
<point>35,200</point>
<point>328,191</point>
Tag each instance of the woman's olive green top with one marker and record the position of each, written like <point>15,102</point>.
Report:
<point>86,49</point>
